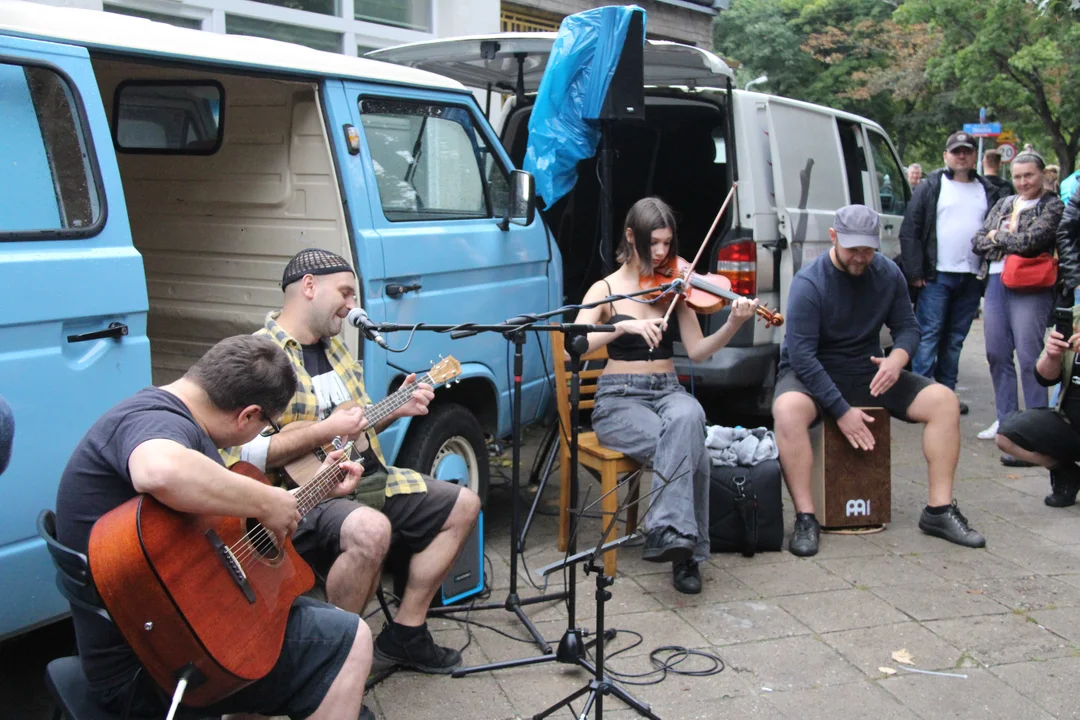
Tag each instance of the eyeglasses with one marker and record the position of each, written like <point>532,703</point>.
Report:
<point>270,421</point>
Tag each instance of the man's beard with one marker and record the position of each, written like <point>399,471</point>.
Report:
<point>850,268</point>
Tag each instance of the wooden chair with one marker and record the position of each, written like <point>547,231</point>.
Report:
<point>591,454</point>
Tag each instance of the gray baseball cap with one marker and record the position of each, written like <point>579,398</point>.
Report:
<point>857,226</point>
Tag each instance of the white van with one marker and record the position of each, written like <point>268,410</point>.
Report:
<point>795,164</point>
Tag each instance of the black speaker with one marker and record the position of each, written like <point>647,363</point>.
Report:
<point>625,99</point>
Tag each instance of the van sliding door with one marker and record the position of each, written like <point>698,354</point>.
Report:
<point>808,181</point>
<point>73,332</point>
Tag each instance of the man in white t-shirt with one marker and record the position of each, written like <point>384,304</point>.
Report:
<point>944,214</point>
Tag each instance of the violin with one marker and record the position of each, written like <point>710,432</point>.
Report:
<point>704,293</point>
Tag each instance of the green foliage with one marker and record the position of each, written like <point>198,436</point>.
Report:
<point>921,68</point>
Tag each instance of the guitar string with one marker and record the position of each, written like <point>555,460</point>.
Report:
<point>259,540</point>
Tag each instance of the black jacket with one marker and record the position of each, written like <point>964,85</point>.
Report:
<point>918,232</point>
<point>1068,244</point>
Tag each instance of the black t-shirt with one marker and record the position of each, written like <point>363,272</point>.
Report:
<point>1070,404</point>
<point>95,481</point>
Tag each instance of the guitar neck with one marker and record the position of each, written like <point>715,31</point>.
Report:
<point>320,487</point>
<point>386,407</point>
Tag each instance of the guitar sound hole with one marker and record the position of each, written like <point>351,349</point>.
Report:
<point>263,540</point>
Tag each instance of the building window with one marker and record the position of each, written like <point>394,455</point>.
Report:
<point>183,22</point>
<point>411,14</point>
<point>318,39</point>
<point>323,7</point>
<point>516,19</point>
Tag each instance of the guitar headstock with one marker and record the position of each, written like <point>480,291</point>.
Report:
<point>445,370</point>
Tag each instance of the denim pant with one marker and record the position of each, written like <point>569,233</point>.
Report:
<point>945,310</point>
<point>1015,321</point>
<point>651,417</point>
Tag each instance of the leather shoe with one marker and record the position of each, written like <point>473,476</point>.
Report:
<point>1012,461</point>
<point>951,525</point>
<point>964,409</point>
<point>686,577</point>
<point>665,545</point>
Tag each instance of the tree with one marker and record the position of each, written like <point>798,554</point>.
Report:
<point>1018,57</point>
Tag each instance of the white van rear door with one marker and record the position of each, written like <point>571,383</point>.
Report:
<point>809,182</point>
<point>481,60</point>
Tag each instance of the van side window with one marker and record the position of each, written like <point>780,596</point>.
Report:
<point>47,182</point>
<point>169,117</point>
<point>858,175</point>
<point>432,162</point>
<point>892,184</point>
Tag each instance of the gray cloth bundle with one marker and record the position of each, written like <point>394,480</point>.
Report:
<point>730,447</point>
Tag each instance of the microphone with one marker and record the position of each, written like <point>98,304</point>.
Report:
<point>358,318</point>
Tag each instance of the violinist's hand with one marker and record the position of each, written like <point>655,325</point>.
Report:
<point>742,310</point>
<point>649,329</point>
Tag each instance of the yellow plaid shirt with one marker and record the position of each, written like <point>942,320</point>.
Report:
<point>305,406</point>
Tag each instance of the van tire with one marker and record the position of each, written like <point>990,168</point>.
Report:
<point>449,429</point>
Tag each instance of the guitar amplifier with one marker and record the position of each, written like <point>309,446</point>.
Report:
<point>852,488</point>
<point>466,576</point>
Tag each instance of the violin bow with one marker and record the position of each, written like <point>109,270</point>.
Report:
<point>704,243</point>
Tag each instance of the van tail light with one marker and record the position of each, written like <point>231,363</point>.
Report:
<point>738,263</point>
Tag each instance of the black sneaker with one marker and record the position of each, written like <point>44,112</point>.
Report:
<point>1012,461</point>
<point>951,525</point>
<point>964,409</point>
<point>666,545</point>
<point>365,713</point>
<point>804,541</point>
<point>416,650</point>
<point>687,577</point>
<point>1064,484</point>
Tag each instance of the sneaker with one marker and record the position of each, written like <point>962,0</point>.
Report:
<point>1064,484</point>
<point>686,577</point>
<point>665,545</point>
<point>413,648</point>
<point>951,525</point>
<point>1012,461</point>
<point>964,409</point>
<point>365,713</point>
<point>989,433</point>
<point>804,541</point>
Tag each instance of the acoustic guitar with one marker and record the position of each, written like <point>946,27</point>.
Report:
<point>203,600</point>
<point>301,470</point>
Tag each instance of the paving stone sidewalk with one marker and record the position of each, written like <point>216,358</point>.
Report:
<point>805,637</point>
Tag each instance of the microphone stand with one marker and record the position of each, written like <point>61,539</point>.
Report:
<point>515,329</point>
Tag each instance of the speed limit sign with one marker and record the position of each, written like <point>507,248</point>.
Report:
<point>1008,152</point>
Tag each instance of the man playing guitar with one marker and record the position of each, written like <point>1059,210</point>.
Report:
<point>164,442</point>
<point>346,540</point>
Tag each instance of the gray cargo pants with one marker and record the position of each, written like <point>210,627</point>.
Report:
<point>650,417</point>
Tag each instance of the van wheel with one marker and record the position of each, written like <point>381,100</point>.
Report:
<point>448,444</point>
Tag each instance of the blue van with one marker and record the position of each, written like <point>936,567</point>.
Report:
<point>155,180</point>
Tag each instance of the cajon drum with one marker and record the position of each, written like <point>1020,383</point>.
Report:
<point>852,487</point>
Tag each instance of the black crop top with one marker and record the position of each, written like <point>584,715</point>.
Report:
<point>633,347</point>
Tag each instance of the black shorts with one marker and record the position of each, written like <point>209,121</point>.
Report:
<point>856,391</point>
<point>415,520</point>
<point>318,638</point>
<point>1043,431</point>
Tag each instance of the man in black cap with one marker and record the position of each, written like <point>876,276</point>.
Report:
<point>831,361</point>
<point>346,540</point>
<point>944,214</point>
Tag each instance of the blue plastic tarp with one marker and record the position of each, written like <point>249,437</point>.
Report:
<point>562,127</point>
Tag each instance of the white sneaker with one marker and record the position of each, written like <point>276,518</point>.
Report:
<point>989,433</point>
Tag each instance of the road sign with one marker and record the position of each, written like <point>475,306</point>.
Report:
<point>1008,152</point>
<point>983,129</point>
<point>982,115</point>
<point>1008,136</point>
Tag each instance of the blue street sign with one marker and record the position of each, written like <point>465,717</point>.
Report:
<point>983,129</point>
<point>982,115</point>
